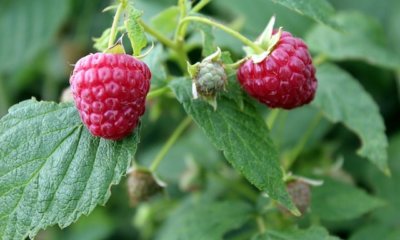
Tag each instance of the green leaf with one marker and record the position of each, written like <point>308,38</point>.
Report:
<point>135,31</point>
<point>52,170</point>
<point>204,221</point>
<point>342,99</point>
<point>314,232</point>
<point>361,39</point>
<point>243,137</point>
<point>337,201</point>
<point>166,21</point>
<point>27,27</point>
<point>319,10</point>
<point>101,43</point>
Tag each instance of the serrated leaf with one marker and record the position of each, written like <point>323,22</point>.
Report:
<point>361,39</point>
<point>135,31</point>
<point>243,137</point>
<point>342,99</point>
<point>319,10</point>
<point>312,233</point>
<point>166,21</point>
<point>51,169</point>
<point>27,27</point>
<point>204,221</point>
<point>101,43</point>
<point>337,201</point>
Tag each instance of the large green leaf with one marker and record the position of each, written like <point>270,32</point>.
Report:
<point>26,28</point>
<point>361,39</point>
<point>204,221</point>
<point>243,137</point>
<point>135,31</point>
<point>342,99</point>
<point>312,233</point>
<point>319,10</point>
<point>52,170</point>
<point>337,201</point>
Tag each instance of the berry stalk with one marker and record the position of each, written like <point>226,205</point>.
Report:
<point>170,142</point>
<point>235,34</point>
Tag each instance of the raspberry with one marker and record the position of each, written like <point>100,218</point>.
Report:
<point>210,79</point>
<point>300,193</point>
<point>110,93</point>
<point>285,78</point>
<point>142,185</point>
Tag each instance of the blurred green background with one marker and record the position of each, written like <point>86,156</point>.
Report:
<point>41,39</point>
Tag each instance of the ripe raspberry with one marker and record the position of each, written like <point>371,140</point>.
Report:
<point>110,93</point>
<point>285,78</point>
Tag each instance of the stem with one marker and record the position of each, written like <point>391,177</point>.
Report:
<point>200,5</point>
<point>319,59</point>
<point>157,35</point>
<point>181,30</point>
<point>260,224</point>
<point>170,142</point>
<point>271,118</point>
<point>303,141</point>
<point>224,28</point>
<point>114,25</point>
<point>157,92</point>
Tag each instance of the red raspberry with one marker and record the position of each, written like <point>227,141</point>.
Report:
<point>110,93</point>
<point>285,78</point>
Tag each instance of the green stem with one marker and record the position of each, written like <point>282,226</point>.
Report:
<point>115,25</point>
<point>200,5</point>
<point>164,40</point>
<point>224,28</point>
<point>303,141</point>
<point>260,224</point>
<point>181,31</point>
<point>170,142</point>
<point>319,59</point>
<point>271,118</point>
<point>157,92</point>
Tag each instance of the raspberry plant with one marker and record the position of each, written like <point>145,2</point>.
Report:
<point>240,137</point>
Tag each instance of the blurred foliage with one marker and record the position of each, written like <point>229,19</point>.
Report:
<point>41,39</point>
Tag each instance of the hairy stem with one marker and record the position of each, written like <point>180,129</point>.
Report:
<point>200,5</point>
<point>303,141</point>
<point>161,38</point>
<point>157,92</point>
<point>224,28</point>
<point>114,25</point>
